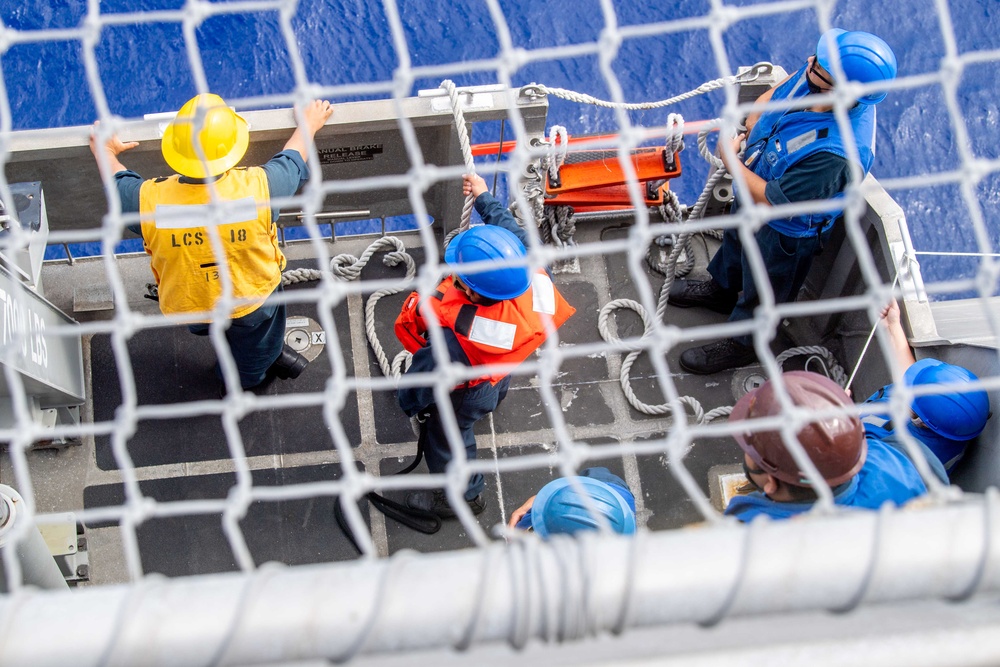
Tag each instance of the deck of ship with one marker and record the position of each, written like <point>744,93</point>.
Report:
<point>203,466</point>
<point>179,453</point>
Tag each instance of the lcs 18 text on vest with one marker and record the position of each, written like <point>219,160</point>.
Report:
<point>199,238</point>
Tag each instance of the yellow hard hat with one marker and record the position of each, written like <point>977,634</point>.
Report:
<point>221,133</point>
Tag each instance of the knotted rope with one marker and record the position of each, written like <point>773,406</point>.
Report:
<point>347,267</point>
<point>681,244</point>
<point>699,414</point>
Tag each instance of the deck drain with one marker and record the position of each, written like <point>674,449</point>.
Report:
<point>305,336</point>
<point>745,381</point>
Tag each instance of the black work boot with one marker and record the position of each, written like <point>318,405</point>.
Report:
<point>704,293</point>
<point>289,364</point>
<point>720,356</point>
<point>436,501</point>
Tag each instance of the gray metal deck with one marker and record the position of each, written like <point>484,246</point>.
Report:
<point>184,459</point>
<point>189,459</point>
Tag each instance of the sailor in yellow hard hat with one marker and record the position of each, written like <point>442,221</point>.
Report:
<point>210,196</point>
<point>206,138</point>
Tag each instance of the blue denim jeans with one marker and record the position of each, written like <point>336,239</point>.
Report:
<point>471,405</point>
<point>255,340</point>
<point>787,259</point>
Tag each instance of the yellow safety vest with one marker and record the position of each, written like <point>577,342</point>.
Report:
<point>177,220</point>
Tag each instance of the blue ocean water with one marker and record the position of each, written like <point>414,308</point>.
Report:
<point>944,121</point>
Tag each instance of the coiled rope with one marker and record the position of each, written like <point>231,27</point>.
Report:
<point>817,353</point>
<point>681,244</point>
<point>347,267</point>
<point>671,214</point>
<point>624,376</point>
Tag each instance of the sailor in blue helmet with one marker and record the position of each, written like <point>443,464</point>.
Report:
<point>944,421</point>
<point>861,469</point>
<point>560,508</point>
<point>792,155</point>
<point>497,316</point>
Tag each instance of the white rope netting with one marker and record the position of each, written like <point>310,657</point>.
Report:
<point>510,587</point>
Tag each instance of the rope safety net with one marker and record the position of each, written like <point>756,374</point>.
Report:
<point>606,390</point>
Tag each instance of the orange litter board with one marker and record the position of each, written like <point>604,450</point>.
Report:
<point>602,173</point>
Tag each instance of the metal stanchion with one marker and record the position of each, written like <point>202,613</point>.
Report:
<point>38,568</point>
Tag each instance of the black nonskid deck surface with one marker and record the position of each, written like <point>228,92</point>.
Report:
<point>576,386</point>
<point>294,532</point>
<point>503,495</point>
<point>666,503</point>
<point>171,366</point>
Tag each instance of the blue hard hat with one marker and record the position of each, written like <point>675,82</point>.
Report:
<point>958,415</point>
<point>484,243</point>
<point>864,58</point>
<point>558,507</point>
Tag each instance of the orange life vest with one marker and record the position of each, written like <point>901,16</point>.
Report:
<point>177,219</point>
<point>506,332</point>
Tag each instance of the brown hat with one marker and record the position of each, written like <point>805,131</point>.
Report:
<point>835,444</point>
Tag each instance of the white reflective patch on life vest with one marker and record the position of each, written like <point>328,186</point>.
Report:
<point>493,332</point>
<point>875,420</point>
<point>543,294</point>
<point>193,216</point>
<point>801,141</point>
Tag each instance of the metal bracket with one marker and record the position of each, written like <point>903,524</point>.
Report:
<point>67,542</point>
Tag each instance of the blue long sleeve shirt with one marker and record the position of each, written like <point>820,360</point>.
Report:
<point>887,475</point>
<point>493,212</point>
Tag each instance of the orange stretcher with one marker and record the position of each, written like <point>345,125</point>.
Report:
<point>594,180</point>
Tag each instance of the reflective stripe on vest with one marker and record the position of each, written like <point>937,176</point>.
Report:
<point>492,333</point>
<point>506,332</point>
<point>178,219</point>
<point>496,333</point>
